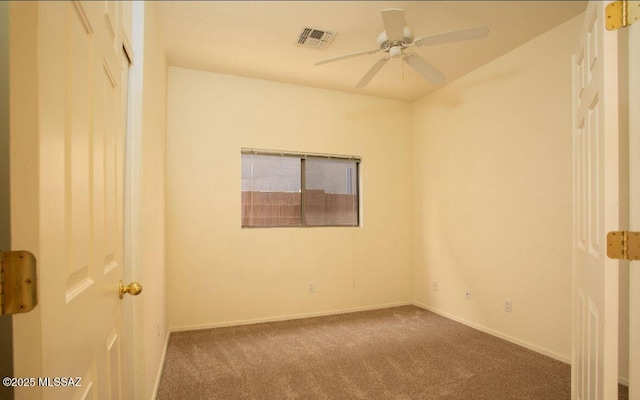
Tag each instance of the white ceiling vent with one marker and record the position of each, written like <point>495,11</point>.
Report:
<point>315,38</point>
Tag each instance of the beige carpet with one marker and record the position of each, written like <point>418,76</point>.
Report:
<point>396,353</point>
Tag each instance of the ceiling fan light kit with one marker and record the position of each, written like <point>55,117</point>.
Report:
<point>397,37</point>
<point>395,51</point>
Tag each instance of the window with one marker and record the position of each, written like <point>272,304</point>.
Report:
<point>299,189</point>
<point>271,191</point>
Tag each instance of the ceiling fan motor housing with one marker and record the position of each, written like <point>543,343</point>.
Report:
<point>385,44</point>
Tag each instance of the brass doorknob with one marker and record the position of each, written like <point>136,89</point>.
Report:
<point>134,289</point>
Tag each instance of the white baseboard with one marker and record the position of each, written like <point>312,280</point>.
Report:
<point>286,317</point>
<point>500,335</point>
<point>159,374</point>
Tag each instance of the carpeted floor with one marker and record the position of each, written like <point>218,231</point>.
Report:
<point>396,353</point>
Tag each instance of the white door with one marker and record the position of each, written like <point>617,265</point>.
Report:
<point>67,185</point>
<point>595,353</point>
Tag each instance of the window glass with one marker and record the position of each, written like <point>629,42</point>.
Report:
<point>330,192</point>
<point>270,191</point>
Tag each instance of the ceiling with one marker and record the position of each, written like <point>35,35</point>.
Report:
<point>258,39</point>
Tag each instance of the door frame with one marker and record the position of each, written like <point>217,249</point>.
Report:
<point>634,209</point>
<point>6,323</point>
<point>133,330</point>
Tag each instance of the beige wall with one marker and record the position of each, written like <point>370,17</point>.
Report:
<point>481,176</point>
<point>221,274</point>
<point>493,195</point>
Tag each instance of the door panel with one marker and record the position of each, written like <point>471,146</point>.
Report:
<point>595,101</point>
<point>77,139</point>
<point>79,200</point>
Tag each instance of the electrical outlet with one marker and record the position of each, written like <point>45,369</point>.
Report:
<point>467,294</point>
<point>507,305</point>
<point>435,286</point>
<point>312,287</point>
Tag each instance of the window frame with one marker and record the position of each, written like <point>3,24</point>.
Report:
<point>303,156</point>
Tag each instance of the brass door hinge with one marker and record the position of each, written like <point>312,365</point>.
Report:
<point>623,245</point>
<point>18,284</point>
<point>622,13</point>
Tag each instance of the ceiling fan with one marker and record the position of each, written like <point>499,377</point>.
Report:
<point>397,37</point>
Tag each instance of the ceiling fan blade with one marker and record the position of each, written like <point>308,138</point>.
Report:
<point>454,36</point>
<point>372,72</point>
<point>424,68</point>
<point>394,23</point>
<point>345,56</point>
